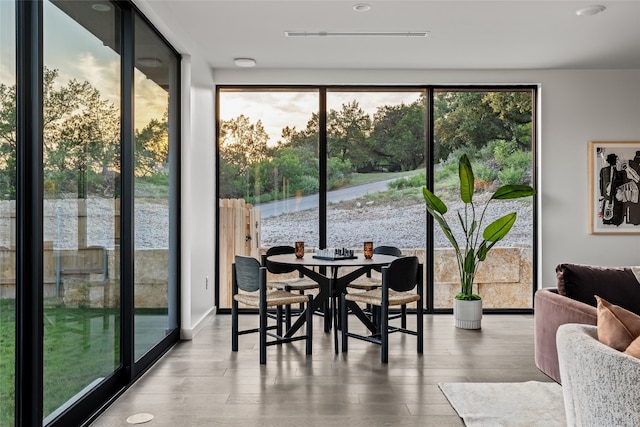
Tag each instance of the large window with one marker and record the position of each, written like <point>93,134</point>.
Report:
<point>365,156</point>
<point>268,174</point>
<point>81,178</point>
<point>7,212</point>
<point>494,128</point>
<point>375,162</point>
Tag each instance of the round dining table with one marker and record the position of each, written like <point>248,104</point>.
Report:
<point>325,272</point>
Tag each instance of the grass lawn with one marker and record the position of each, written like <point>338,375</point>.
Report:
<point>80,345</point>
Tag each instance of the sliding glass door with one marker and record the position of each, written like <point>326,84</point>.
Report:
<point>89,196</point>
<point>81,164</point>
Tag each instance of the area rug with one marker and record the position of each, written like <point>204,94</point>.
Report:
<point>526,404</point>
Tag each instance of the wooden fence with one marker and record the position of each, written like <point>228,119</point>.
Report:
<point>239,235</point>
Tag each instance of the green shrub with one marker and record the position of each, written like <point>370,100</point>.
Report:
<point>308,185</point>
<point>419,180</point>
<point>512,176</point>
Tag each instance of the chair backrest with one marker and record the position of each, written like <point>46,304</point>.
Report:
<point>278,268</point>
<point>402,274</point>
<point>247,273</point>
<point>386,250</point>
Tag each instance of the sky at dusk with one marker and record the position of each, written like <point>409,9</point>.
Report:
<point>279,109</point>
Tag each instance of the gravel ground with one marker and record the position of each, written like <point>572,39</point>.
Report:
<point>349,225</point>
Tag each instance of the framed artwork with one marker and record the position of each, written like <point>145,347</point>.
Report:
<point>614,183</point>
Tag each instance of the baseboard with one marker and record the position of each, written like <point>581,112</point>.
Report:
<point>189,334</point>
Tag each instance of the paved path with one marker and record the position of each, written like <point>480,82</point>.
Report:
<point>296,204</point>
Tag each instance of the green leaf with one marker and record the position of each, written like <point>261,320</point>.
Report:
<point>483,250</point>
<point>499,228</point>
<point>513,192</point>
<point>434,202</point>
<point>470,263</point>
<point>474,225</point>
<point>466,179</point>
<point>447,231</point>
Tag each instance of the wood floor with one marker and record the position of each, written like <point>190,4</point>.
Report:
<point>203,383</point>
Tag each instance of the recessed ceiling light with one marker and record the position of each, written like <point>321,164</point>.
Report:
<point>245,62</point>
<point>101,7</point>
<point>362,7</point>
<point>590,10</point>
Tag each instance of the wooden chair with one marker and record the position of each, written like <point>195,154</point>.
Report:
<point>300,283</point>
<point>401,285</point>
<point>368,283</point>
<point>248,287</point>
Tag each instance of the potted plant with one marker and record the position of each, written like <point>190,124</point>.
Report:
<point>477,242</point>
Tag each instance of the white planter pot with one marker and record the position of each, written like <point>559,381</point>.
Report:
<point>467,314</point>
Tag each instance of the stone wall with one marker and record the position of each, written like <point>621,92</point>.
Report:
<point>90,277</point>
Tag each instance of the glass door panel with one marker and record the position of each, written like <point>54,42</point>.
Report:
<point>155,204</point>
<point>81,179</point>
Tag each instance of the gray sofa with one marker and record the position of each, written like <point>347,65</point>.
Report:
<point>573,301</point>
<point>600,385</point>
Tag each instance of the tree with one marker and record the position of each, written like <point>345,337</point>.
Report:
<point>398,136</point>
<point>242,142</point>
<point>152,147</point>
<point>472,119</point>
<point>348,135</point>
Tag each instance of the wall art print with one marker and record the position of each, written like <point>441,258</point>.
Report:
<point>614,181</point>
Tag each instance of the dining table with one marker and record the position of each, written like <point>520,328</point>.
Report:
<point>326,272</point>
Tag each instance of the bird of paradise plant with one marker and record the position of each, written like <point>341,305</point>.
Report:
<point>477,242</point>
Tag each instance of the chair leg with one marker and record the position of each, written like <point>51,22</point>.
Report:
<point>384,331</point>
<point>420,325</point>
<point>310,325</point>
<point>279,320</point>
<point>263,332</point>
<point>345,322</point>
<point>234,325</point>
<point>403,316</point>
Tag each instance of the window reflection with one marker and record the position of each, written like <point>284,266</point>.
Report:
<point>81,185</point>
<point>7,212</point>
<point>155,135</point>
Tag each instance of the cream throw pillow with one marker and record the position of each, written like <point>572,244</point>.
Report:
<point>617,327</point>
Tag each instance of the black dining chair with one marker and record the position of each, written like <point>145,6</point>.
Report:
<point>299,283</point>
<point>367,282</point>
<point>401,285</point>
<point>248,287</point>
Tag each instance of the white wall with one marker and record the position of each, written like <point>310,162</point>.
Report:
<point>198,207</point>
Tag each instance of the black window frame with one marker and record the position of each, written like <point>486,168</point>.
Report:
<point>429,91</point>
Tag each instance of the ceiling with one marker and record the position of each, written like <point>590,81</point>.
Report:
<point>508,34</point>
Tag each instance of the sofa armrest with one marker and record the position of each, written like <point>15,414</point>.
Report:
<point>552,310</point>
